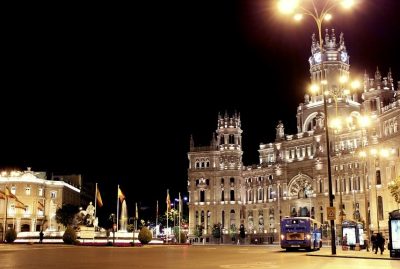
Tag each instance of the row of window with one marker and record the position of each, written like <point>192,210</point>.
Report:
<point>53,194</point>
<point>259,179</point>
<point>202,163</point>
<point>200,218</point>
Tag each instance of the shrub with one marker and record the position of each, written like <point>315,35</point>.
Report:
<point>11,235</point>
<point>183,238</point>
<point>69,236</point>
<point>216,231</point>
<point>145,235</point>
<point>199,230</point>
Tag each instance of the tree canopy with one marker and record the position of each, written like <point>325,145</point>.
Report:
<point>66,214</point>
<point>394,188</point>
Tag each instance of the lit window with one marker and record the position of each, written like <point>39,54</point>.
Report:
<point>53,194</point>
<point>13,190</point>
<point>40,192</point>
<point>28,191</point>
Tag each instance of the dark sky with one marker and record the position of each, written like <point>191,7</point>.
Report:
<point>114,92</point>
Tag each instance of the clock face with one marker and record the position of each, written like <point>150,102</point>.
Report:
<point>343,56</point>
<point>317,57</point>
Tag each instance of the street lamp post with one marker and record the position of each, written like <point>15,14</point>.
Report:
<point>364,122</point>
<point>319,15</point>
<point>328,154</point>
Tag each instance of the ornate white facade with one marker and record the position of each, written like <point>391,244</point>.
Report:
<point>291,177</point>
<point>33,200</point>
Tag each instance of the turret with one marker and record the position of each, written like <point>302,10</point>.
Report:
<point>229,141</point>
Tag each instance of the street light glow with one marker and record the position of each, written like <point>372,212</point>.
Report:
<point>347,4</point>
<point>356,84</point>
<point>328,17</point>
<point>314,88</point>
<point>364,121</point>
<point>298,17</point>
<point>287,6</point>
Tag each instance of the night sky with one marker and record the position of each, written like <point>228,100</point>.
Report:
<point>114,92</point>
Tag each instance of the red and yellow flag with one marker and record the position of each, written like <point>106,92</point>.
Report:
<point>2,195</point>
<point>98,197</point>
<point>40,206</point>
<point>121,196</point>
<point>168,201</point>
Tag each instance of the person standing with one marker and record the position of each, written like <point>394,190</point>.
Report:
<point>380,242</point>
<point>41,235</point>
<point>366,241</point>
<point>373,241</point>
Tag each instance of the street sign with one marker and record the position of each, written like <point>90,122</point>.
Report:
<point>331,213</point>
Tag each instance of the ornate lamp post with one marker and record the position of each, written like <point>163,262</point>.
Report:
<point>319,13</point>
<point>364,123</point>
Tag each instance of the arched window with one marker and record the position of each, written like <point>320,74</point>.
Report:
<point>231,139</point>
<point>380,208</point>
<point>378,177</point>
<point>232,219</point>
<point>232,195</point>
<point>249,195</point>
<point>202,196</point>
<point>223,218</point>
<point>321,187</point>
<point>260,194</point>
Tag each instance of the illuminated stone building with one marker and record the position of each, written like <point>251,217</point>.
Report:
<point>291,177</point>
<point>32,199</point>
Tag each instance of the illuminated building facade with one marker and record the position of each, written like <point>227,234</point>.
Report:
<point>291,177</point>
<point>32,199</point>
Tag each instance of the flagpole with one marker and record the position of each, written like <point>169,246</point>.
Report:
<point>95,205</point>
<point>167,214</point>
<point>157,215</point>
<point>136,216</point>
<point>117,206</point>
<point>179,218</point>
<point>5,221</point>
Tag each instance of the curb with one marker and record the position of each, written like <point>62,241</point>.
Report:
<point>353,257</point>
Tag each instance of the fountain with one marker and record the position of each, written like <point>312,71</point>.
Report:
<point>123,221</point>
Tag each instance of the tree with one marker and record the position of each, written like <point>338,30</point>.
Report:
<point>66,214</point>
<point>216,230</point>
<point>242,232</point>
<point>198,232</point>
<point>394,188</point>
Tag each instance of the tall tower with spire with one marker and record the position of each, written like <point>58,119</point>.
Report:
<point>229,141</point>
<point>329,71</point>
<point>329,62</point>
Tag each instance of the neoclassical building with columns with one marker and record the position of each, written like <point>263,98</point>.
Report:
<point>291,178</point>
<point>29,200</point>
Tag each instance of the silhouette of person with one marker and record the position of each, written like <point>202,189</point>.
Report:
<point>41,235</point>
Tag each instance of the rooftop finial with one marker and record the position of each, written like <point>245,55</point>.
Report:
<point>341,42</point>
<point>326,37</point>
<point>191,141</point>
<point>333,36</point>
